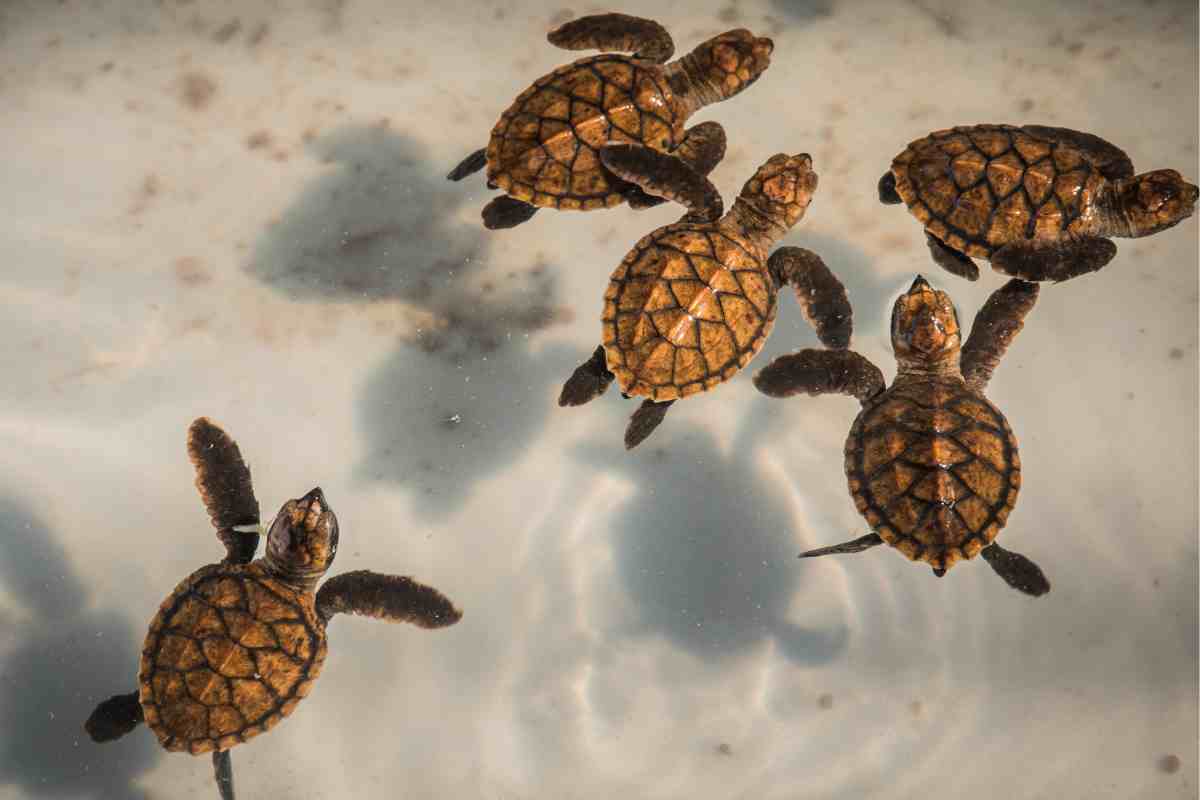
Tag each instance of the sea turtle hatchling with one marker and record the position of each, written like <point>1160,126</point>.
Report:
<point>693,302</point>
<point>544,150</point>
<point>931,464</point>
<point>238,644</point>
<point>1038,202</point>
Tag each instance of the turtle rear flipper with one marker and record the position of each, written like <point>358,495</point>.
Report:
<point>115,717</point>
<point>223,480</point>
<point>506,212</point>
<point>388,597</point>
<point>589,380</point>
<point>666,176</point>
<point>643,422</point>
<point>887,190</point>
<point>821,296</point>
<point>223,773</point>
<point>1017,571</point>
<point>469,166</point>
<point>615,33</point>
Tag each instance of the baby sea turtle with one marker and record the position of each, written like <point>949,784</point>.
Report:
<point>238,644</point>
<point>1038,202</point>
<point>931,464</point>
<point>544,151</point>
<point>693,302</point>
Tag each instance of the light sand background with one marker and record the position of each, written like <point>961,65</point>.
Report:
<point>238,210</point>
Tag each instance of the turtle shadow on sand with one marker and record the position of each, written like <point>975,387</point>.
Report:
<point>706,548</point>
<point>67,658</point>
<point>468,388</point>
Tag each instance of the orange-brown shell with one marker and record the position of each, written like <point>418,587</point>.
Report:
<point>977,188</point>
<point>229,654</point>
<point>543,149</point>
<point>687,308</point>
<point>934,469</point>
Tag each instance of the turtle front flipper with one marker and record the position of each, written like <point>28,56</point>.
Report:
<point>994,328</point>
<point>816,372</point>
<point>506,212</point>
<point>389,597</point>
<point>589,380</point>
<point>852,546</point>
<point>702,147</point>
<point>953,261</point>
<point>223,480</point>
<point>1110,160</point>
<point>666,176</point>
<point>821,296</point>
<point>1057,261</point>
<point>469,166</point>
<point>615,33</point>
<point>643,421</point>
<point>115,717</point>
<point>223,773</point>
<point>1018,571</point>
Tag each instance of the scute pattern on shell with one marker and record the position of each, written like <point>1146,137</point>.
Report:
<point>934,469</point>
<point>980,187</point>
<point>685,310</point>
<point>544,148</point>
<point>230,653</point>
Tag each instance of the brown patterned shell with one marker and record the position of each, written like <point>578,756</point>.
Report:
<point>230,653</point>
<point>977,188</point>
<point>543,149</point>
<point>934,469</point>
<point>687,308</point>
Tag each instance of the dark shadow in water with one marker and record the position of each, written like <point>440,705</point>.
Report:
<point>803,11</point>
<point>465,393</point>
<point>68,659</point>
<point>706,548</point>
<point>382,224</point>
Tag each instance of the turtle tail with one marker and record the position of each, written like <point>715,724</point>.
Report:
<point>223,773</point>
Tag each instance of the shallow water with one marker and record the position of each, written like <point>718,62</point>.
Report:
<point>242,214</point>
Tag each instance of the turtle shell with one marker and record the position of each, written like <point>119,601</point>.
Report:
<point>978,188</point>
<point>934,469</point>
<point>544,148</point>
<point>230,653</point>
<point>686,308</point>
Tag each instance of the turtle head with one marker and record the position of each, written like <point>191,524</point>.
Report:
<point>728,63</point>
<point>777,196</point>
<point>1154,201</point>
<point>925,325</point>
<point>303,539</point>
